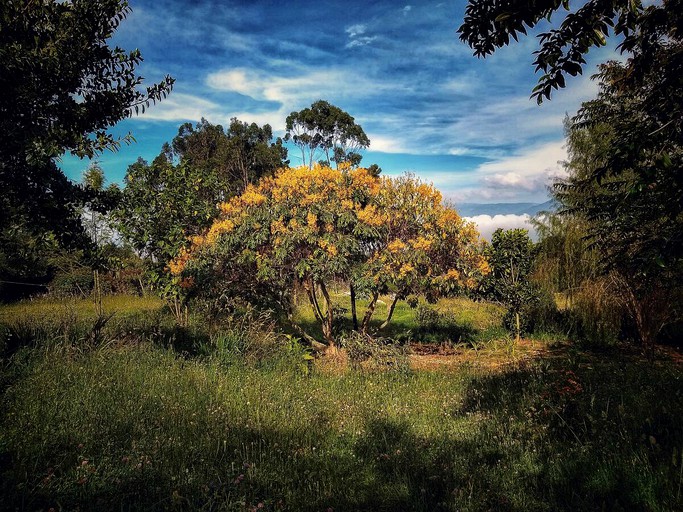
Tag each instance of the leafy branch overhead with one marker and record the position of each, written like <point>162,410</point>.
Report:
<point>62,83</point>
<point>490,24</point>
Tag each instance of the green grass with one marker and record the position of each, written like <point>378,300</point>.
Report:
<point>463,318</point>
<point>140,427</point>
<point>55,309</point>
<point>133,424</point>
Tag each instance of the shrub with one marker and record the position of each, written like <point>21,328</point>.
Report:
<point>75,282</point>
<point>436,327</point>
<point>374,353</point>
<point>246,334</point>
<point>427,317</point>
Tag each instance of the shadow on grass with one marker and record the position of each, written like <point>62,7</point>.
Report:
<point>579,434</point>
<point>405,331</point>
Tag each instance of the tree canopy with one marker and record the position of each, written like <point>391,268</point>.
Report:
<point>176,196</point>
<point>319,225</point>
<point>62,87</point>
<point>239,155</point>
<point>625,185</point>
<point>326,130</point>
<point>511,257</point>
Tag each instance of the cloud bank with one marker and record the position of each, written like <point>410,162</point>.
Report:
<point>486,224</point>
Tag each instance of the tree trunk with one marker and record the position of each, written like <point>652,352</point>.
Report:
<point>369,312</point>
<point>310,292</point>
<point>391,312</point>
<point>650,312</point>
<point>354,315</point>
<point>98,292</point>
<point>517,324</point>
<point>329,317</point>
<point>315,344</point>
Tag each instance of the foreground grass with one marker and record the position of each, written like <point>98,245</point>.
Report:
<point>139,427</point>
<point>113,417</point>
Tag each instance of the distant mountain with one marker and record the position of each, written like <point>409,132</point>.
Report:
<point>492,209</point>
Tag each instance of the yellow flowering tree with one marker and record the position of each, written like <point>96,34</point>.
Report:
<point>426,248</point>
<point>388,235</point>
<point>305,224</point>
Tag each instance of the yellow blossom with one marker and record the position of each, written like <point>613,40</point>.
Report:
<point>331,249</point>
<point>251,197</point>
<point>421,243</point>
<point>396,246</point>
<point>370,216</point>
<point>406,269</point>
<point>312,220</point>
<point>452,275</point>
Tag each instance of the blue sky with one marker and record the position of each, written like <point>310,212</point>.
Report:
<point>428,106</point>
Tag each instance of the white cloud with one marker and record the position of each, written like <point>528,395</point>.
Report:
<point>360,41</point>
<point>407,9</point>
<point>526,171</point>
<point>198,23</point>
<point>386,144</point>
<point>356,30</point>
<point>506,120</point>
<point>526,175</point>
<point>296,91</point>
<point>461,85</point>
<point>182,107</point>
<point>260,85</point>
<point>459,151</point>
<point>509,179</point>
<point>357,37</point>
<point>486,224</point>
<point>523,177</point>
<point>275,118</point>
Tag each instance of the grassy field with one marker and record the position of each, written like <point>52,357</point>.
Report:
<point>76,308</point>
<point>461,320</point>
<point>129,422</point>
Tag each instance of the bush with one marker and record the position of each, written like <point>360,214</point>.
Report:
<point>127,281</point>
<point>542,315</point>
<point>248,335</point>
<point>377,353</point>
<point>436,327</point>
<point>75,282</point>
<point>428,317</point>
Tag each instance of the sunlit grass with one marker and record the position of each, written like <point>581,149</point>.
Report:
<point>50,307</point>
<point>479,316</point>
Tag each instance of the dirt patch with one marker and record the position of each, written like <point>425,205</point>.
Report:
<point>501,356</point>
<point>497,356</point>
